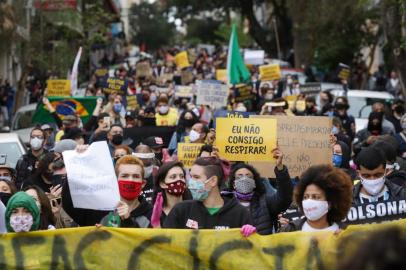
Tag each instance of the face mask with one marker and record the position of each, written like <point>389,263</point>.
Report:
<point>47,175</point>
<point>148,171</point>
<point>373,187</point>
<point>21,223</point>
<point>337,160</point>
<point>268,96</point>
<point>6,178</point>
<point>188,123</point>
<point>129,190</point>
<point>244,197</point>
<point>194,136</point>
<point>36,143</point>
<point>244,185</point>
<point>176,188</point>
<point>58,179</point>
<point>399,110</point>
<point>163,109</point>
<point>117,108</point>
<point>4,197</point>
<point>117,139</point>
<point>335,130</point>
<point>198,190</point>
<point>314,209</point>
<point>241,109</point>
<point>159,156</point>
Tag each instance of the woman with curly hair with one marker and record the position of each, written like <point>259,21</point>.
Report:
<point>324,195</point>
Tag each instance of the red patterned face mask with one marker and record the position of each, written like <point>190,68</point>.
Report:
<point>129,190</point>
<point>176,188</point>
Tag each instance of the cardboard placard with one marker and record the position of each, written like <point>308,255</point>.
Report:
<point>213,94</point>
<point>183,91</point>
<point>246,139</point>
<point>304,141</point>
<point>165,78</point>
<point>343,71</point>
<point>132,103</point>
<point>310,88</point>
<point>254,57</point>
<point>188,152</point>
<point>243,92</point>
<point>58,88</point>
<point>181,60</point>
<point>270,72</point>
<point>221,75</point>
<point>186,77</point>
<point>143,69</point>
<point>115,85</point>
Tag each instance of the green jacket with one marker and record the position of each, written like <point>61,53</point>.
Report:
<point>22,199</point>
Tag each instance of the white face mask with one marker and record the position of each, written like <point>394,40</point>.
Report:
<point>148,171</point>
<point>36,143</point>
<point>373,187</point>
<point>194,136</point>
<point>21,223</point>
<point>163,109</point>
<point>314,209</point>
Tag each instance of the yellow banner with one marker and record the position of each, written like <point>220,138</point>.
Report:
<point>221,75</point>
<point>270,72</point>
<point>182,60</point>
<point>187,153</point>
<point>108,248</point>
<point>246,139</point>
<point>58,88</point>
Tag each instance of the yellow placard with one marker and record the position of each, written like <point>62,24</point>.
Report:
<point>58,88</point>
<point>221,75</point>
<point>132,102</point>
<point>181,60</point>
<point>187,153</point>
<point>114,248</point>
<point>246,139</point>
<point>270,72</point>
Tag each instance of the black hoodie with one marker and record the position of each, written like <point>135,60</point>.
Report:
<point>345,165</point>
<point>398,178</point>
<point>194,215</point>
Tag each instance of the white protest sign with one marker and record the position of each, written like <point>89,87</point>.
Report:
<point>254,57</point>
<point>213,94</point>
<point>3,228</point>
<point>91,177</point>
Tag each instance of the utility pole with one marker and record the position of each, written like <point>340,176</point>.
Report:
<point>278,47</point>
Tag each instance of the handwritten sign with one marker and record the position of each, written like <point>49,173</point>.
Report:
<point>230,114</point>
<point>270,72</point>
<point>304,141</point>
<point>213,94</point>
<point>143,69</point>
<point>92,180</point>
<point>132,103</point>
<point>183,91</point>
<point>58,88</point>
<point>243,92</point>
<point>254,57</point>
<point>246,139</point>
<point>343,71</point>
<point>181,60</point>
<point>221,75</point>
<point>115,85</point>
<point>187,153</point>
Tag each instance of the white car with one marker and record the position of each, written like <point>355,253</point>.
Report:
<point>11,146</point>
<point>22,122</point>
<point>360,102</point>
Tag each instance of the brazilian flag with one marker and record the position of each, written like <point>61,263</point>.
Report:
<point>82,106</point>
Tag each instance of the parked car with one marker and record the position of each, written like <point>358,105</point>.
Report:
<point>361,101</point>
<point>12,146</point>
<point>22,122</point>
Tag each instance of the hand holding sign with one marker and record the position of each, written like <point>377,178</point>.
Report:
<point>278,156</point>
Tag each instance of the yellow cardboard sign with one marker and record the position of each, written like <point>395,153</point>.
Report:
<point>181,60</point>
<point>58,88</point>
<point>115,248</point>
<point>270,72</point>
<point>132,102</point>
<point>221,75</point>
<point>187,153</point>
<point>246,139</point>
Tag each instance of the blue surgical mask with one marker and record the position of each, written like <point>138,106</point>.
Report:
<point>198,190</point>
<point>335,130</point>
<point>117,107</point>
<point>337,160</point>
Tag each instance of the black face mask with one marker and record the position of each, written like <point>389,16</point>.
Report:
<point>399,109</point>
<point>117,139</point>
<point>159,156</point>
<point>4,197</point>
<point>47,175</point>
<point>59,179</point>
<point>188,122</point>
<point>149,121</point>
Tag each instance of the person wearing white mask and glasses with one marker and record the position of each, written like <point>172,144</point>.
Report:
<point>198,134</point>
<point>374,185</point>
<point>324,196</point>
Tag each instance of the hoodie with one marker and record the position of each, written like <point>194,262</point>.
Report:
<point>345,165</point>
<point>397,177</point>
<point>22,199</point>
<point>194,215</point>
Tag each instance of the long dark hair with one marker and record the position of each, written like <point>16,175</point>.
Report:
<point>43,165</point>
<point>46,217</point>
<point>160,178</point>
<point>181,127</point>
<point>259,186</point>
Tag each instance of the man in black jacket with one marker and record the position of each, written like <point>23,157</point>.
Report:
<point>208,210</point>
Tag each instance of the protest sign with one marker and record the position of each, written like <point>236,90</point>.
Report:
<point>186,77</point>
<point>116,85</point>
<point>208,47</point>
<point>183,91</point>
<point>230,114</point>
<point>310,88</point>
<point>181,60</point>
<point>221,75</point>
<point>58,88</point>
<point>270,72</point>
<point>246,139</point>
<point>254,57</point>
<point>304,140</point>
<point>187,153</point>
<point>92,179</point>
<point>213,94</point>
<point>92,248</point>
<point>101,72</point>
<point>143,69</point>
<point>243,92</point>
<point>163,79</point>
<point>132,103</point>
<point>343,71</point>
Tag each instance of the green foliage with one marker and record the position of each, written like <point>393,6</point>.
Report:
<point>224,32</point>
<point>201,31</point>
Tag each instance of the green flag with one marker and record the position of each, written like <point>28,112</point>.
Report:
<point>82,106</point>
<point>237,72</point>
